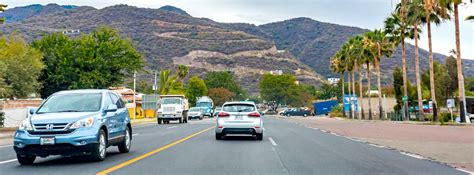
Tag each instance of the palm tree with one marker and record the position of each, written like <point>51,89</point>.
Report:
<point>166,82</point>
<point>357,53</point>
<point>408,26</point>
<point>397,29</point>
<point>368,58</point>
<point>182,72</point>
<point>337,65</point>
<point>415,17</point>
<point>380,46</point>
<point>349,63</point>
<point>433,12</point>
<point>462,99</point>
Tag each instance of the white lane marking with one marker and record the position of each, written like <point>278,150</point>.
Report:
<point>7,161</point>
<point>272,141</point>
<point>171,127</point>
<point>5,146</point>
<point>412,155</point>
<point>378,146</point>
<point>135,134</point>
<point>263,129</point>
<point>468,172</point>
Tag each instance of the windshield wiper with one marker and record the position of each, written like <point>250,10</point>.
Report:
<point>71,110</point>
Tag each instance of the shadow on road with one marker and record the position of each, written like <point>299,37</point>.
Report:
<point>68,160</point>
<point>239,138</point>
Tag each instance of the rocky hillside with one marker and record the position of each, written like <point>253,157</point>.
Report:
<point>167,37</point>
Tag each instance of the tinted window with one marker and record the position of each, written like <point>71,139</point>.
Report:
<point>73,102</point>
<point>239,108</point>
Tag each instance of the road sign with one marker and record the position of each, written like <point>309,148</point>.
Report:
<point>450,103</point>
<point>405,98</point>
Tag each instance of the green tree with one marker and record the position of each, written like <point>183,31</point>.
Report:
<point>397,86</point>
<point>195,88</point>
<point>2,9</point>
<point>97,60</point>
<point>441,84</point>
<point>224,79</point>
<point>20,67</point>
<point>281,89</point>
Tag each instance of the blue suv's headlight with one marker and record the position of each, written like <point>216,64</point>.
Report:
<point>25,125</point>
<point>83,123</point>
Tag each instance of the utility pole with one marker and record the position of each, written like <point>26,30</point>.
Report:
<point>134,94</point>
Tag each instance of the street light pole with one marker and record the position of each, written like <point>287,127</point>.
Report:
<point>134,94</point>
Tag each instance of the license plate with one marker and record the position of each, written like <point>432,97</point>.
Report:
<point>47,141</point>
<point>238,117</point>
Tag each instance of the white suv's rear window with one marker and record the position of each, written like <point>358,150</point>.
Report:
<point>238,108</point>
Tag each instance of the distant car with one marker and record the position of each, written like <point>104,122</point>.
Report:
<point>471,117</point>
<point>239,118</point>
<point>78,122</point>
<point>282,110</point>
<point>196,113</point>
<point>270,112</point>
<point>297,112</point>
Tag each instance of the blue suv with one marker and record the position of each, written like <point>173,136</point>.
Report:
<point>76,122</point>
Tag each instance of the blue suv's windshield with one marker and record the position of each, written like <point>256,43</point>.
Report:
<point>74,102</point>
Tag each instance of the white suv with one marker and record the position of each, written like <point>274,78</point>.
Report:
<point>239,118</point>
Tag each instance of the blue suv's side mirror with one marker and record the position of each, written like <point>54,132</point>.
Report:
<point>111,108</point>
<point>32,110</point>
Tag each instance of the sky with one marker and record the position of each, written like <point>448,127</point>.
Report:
<point>367,14</point>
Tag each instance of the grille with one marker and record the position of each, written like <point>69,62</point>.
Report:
<point>168,109</point>
<point>55,126</point>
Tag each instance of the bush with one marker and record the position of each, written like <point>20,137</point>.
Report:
<point>336,111</point>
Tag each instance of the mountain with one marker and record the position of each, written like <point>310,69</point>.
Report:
<point>167,39</point>
<point>314,42</point>
<point>21,13</point>
<point>174,9</point>
<point>169,36</point>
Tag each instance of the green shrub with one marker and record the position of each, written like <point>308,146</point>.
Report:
<point>336,111</point>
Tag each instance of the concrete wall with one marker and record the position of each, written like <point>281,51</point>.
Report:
<point>17,110</point>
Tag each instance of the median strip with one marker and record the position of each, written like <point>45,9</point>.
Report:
<point>131,161</point>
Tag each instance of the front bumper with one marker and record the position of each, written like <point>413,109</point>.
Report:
<point>170,116</point>
<point>57,149</point>
<point>75,143</point>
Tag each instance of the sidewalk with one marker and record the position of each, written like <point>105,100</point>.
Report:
<point>6,134</point>
<point>453,145</point>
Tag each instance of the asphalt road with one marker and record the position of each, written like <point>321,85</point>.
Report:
<point>287,148</point>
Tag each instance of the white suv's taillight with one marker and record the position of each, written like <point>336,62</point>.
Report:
<point>223,114</point>
<point>254,114</point>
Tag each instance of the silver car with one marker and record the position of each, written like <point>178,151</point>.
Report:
<point>196,112</point>
<point>239,118</point>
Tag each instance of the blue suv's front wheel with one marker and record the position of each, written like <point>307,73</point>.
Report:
<point>100,150</point>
